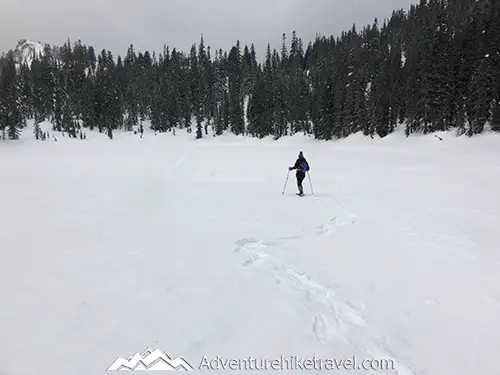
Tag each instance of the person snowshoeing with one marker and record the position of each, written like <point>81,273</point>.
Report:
<point>301,166</point>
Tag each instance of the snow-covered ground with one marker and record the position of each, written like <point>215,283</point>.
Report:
<point>190,247</point>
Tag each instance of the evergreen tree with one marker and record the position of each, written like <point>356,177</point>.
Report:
<point>480,98</point>
<point>37,131</point>
<point>11,116</point>
<point>235,79</point>
<point>131,89</point>
<point>196,90</point>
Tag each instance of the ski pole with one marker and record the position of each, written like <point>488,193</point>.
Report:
<point>286,181</point>
<point>310,183</point>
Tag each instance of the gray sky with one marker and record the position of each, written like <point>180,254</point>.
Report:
<point>150,24</point>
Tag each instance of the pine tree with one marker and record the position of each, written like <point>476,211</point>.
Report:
<point>67,119</point>
<point>196,94</point>
<point>131,89</point>
<point>88,103</point>
<point>235,79</point>
<point>173,104</point>
<point>492,39</point>
<point>25,92</point>
<point>326,115</point>
<point>37,131</point>
<point>480,98</point>
<point>205,82</point>
<point>11,116</point>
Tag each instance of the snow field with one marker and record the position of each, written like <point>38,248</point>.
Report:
<point>110,247</point>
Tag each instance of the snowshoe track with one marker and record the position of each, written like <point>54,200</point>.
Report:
<point>336,222</point>
<point>332,317</point>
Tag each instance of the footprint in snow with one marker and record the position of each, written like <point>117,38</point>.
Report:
<point>335,222</point>
<point>247,244</point>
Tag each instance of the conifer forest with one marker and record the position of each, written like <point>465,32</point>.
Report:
<point>433,67</point>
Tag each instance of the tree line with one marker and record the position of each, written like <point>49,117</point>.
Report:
<point>435,67</point>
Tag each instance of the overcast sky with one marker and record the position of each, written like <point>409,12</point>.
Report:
<point>150,24</point>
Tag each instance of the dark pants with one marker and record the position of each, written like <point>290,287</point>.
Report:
<point>300,178</point>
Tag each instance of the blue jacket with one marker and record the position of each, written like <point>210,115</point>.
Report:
<point>300,164</point>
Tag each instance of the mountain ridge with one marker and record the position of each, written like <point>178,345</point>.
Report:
<point>26,50</point>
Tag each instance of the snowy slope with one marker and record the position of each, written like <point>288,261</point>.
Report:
<point>112,247</point>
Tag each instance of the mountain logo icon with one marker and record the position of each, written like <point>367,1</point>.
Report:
<point>150,360</point>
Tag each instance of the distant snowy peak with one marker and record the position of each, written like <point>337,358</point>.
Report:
<point>27,50</point>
